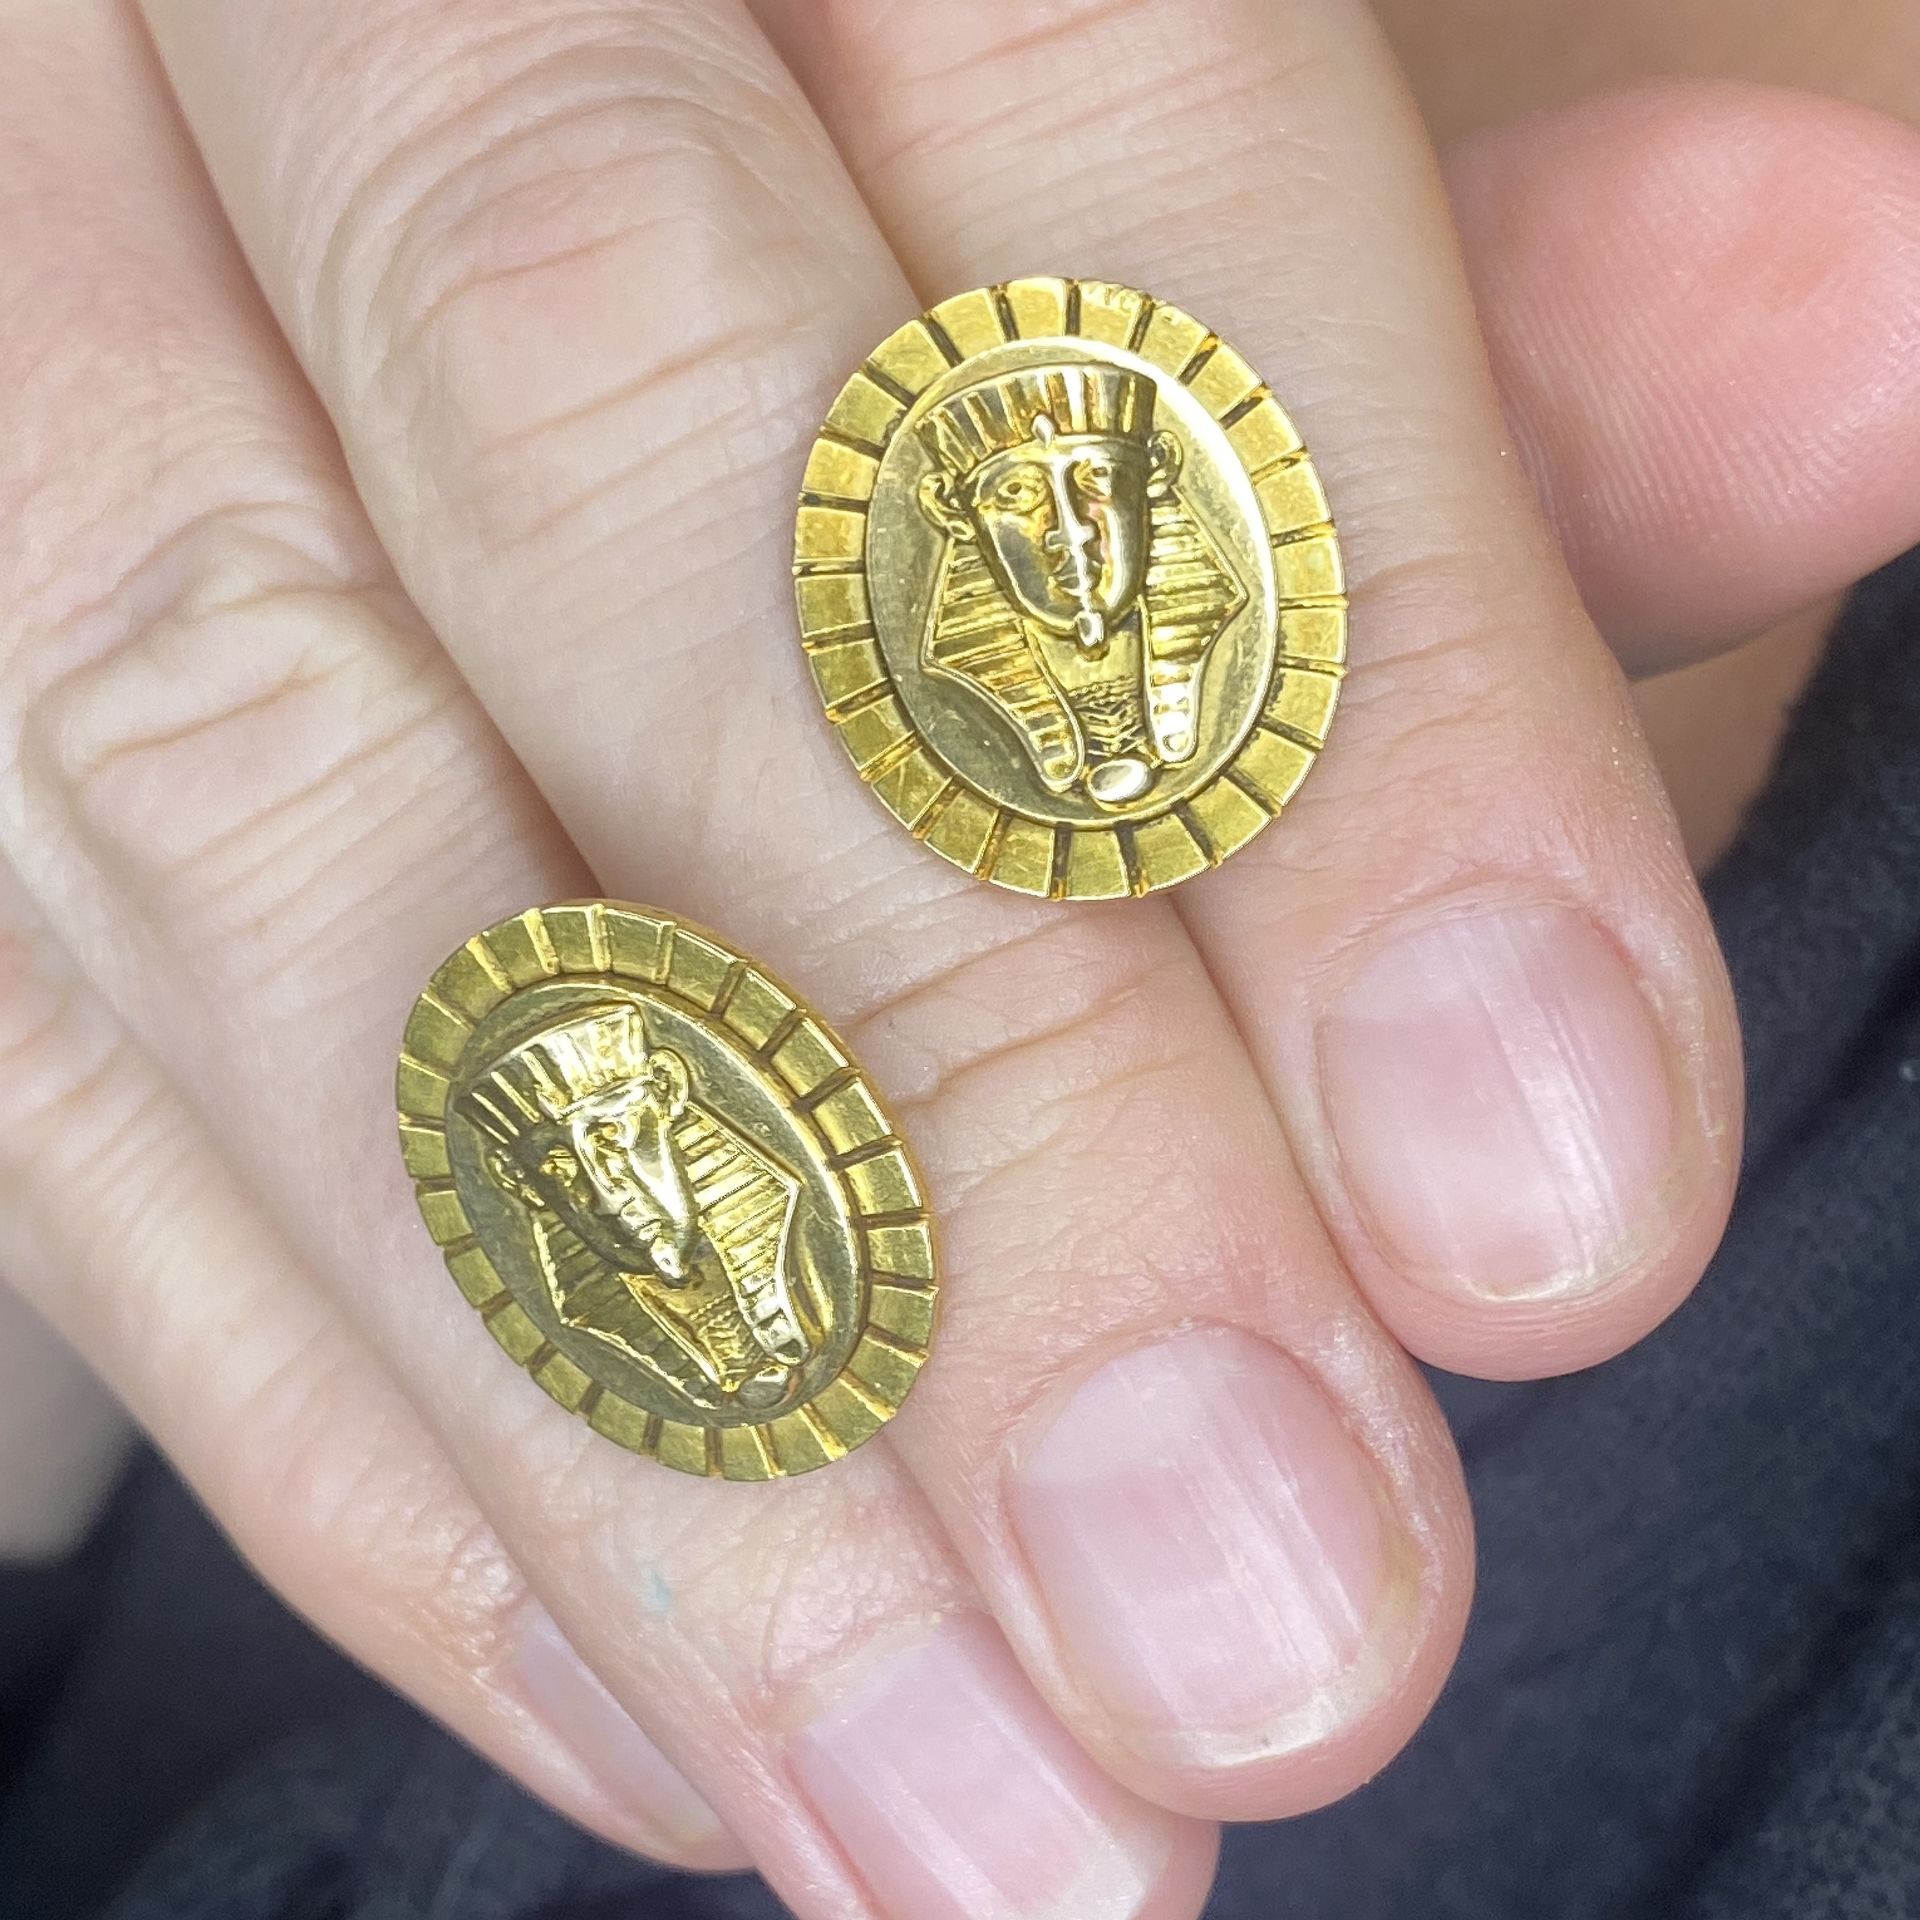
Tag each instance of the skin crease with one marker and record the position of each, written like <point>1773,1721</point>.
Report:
<point>486,1710</point>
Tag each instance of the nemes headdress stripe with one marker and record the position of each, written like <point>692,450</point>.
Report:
<point>544,1080</point>
<point>1001,414</point>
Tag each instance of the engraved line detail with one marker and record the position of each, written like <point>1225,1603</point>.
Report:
<point>869,1397</point>
<point>1057,870</point>
<point>924,822</point>
<point>731,983</point>
<point>1201,837</point>
<point>906,1349</point>
<point>829,1442</point>
<point>853,442</point>
<point>872,1150</point>
<point>431,997</point>
<point>900,1217</point>
<point>890,757</point>
<point>899,1282</point>
<point>1201,355</point>
<point>1142,321</point>
<point>888,384</point>
<point>1251,405</point>
<point>790,1024</point>
<point>1298,536</point>
<point>1281,463</point>
<point>489,963</point>
<point>941,339</point>
<point>1003,308</point>
<point>837,1081</point>
<point>543,948</point>
<point>837,502</point>
<point>599,945</point>
<point>855,704</point>
<point>1286,730</point>
<point>996,840</point>
<point>821,638</point>
<point>1264,801</point>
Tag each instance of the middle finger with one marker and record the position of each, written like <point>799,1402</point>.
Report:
<point>1472,965</point>
<point>576,294</point>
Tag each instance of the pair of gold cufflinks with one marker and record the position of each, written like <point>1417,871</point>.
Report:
<point>1072,596</point>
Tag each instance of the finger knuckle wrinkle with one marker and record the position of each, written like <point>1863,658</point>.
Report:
<point>773,1614</point>
<point>379,1507</point>
<point>1066,1014</point>
<point>584,227</point>
<point>729,1579</point>
<point>1019,30</point>
<point>49,1063</point>
<point>238,686</point>
<point>999,61</point>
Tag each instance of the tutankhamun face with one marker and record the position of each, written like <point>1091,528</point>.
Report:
<point>1060,500</point>
<point>659,1229</point>
<point>608,1168</point>
<point>1062,521</point>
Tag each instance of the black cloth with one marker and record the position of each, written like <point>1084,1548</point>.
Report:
<point>1691,1690</point>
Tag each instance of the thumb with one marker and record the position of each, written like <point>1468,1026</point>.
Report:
<point>1702,302</point>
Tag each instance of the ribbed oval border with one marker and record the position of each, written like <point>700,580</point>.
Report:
<point>930,798</point>
<point>811,1070</point>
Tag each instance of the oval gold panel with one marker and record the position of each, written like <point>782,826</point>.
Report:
<point>668,1190</point>
<point>1070,589</point>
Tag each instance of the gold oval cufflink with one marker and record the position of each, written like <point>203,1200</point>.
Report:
<point>1070,589</point>
<point>668,1189</point>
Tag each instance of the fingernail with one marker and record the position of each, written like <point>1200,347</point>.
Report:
<point>631,1770</point>
<point>1500,1102</point>
<point>956,1795</point>
<point>1213,1548</point>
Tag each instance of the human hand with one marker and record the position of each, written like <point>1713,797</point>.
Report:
<point>573,293</point>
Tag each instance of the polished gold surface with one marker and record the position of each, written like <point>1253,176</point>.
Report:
<point>667,1188</point>
<point>1070,589</point>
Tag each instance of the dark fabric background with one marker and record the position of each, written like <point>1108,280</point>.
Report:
<point>1692,1686</point>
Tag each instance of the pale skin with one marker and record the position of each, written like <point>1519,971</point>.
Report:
<point>421,555</point>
